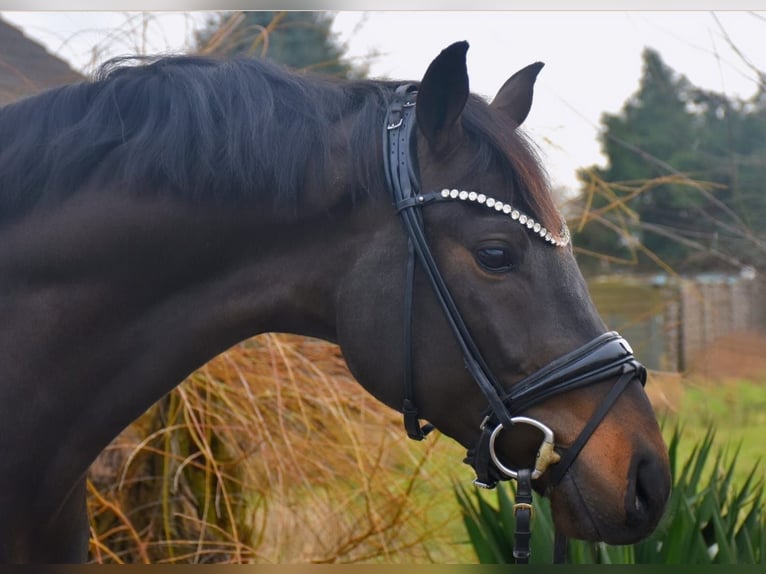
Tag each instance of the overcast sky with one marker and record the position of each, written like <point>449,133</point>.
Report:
<point>593,58</point>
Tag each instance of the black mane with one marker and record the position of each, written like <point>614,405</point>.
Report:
<point>203,128</point>
<point>214,131</point>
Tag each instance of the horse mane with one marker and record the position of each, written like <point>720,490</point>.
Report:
<point>215,130</point>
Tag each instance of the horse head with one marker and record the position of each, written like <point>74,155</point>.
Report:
<point>504,259</point>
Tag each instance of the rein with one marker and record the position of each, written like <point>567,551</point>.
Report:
<point>607,356</point>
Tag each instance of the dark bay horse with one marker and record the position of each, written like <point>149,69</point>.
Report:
<point>157,215</point>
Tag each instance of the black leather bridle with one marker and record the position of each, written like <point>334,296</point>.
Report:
<point>608,356</point>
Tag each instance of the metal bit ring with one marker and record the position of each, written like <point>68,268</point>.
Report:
<point>545,454</point>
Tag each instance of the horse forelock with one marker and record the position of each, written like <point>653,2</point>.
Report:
<point>500,146</point>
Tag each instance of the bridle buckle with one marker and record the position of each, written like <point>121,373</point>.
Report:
<point>519,506</point>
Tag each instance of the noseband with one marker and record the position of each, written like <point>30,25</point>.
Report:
<point>608,356</point>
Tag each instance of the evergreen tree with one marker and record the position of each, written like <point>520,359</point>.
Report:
<point>682,184</point>
<point>299,40</point>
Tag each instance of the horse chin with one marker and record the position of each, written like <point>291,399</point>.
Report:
<point>600,514</point>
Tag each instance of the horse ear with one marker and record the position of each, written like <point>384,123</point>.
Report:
<point>514,99</point>
<point>442,95</point>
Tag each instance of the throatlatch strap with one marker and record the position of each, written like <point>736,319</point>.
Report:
<point>522,510</point>
<point>411,419</point>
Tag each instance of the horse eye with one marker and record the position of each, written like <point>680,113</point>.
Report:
<point>497,259</point>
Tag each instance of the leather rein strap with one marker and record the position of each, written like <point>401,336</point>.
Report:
<point>606,357</point>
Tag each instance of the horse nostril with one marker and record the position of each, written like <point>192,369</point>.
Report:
<point>647,493</point>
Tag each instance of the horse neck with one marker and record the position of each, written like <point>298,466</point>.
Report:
<point>113,301</point>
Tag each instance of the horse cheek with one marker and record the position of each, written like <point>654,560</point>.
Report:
<point>369,309</point>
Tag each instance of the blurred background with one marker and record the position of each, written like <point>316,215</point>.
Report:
<point>652,126</point>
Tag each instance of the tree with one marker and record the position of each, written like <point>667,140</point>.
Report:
<point>300,40</point>
<point>682,187</point>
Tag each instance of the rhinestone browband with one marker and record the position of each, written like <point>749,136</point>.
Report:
<point>510,211</point>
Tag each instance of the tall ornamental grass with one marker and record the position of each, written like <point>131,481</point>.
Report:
<point>271,453</point>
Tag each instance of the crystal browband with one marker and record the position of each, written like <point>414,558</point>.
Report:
<point>563,235</point>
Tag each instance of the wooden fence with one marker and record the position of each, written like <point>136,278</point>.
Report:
<point>669,322</point>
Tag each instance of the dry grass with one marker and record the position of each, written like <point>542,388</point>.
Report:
<point>272,453</point>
